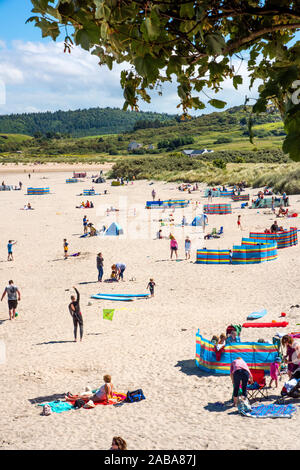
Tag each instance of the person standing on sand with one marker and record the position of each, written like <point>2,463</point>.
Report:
<point>66,247</point>
<point>9,249</point>
<point>153,194</point>
<point>173,246</point>
<point>239,222</point>
<point>74,309</point>
<point>187,247</point>
<point>100,266</point>
<point>12,291</point>
<point>150,286</point>
<point>85,222</point>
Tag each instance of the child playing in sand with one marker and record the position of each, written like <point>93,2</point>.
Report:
<point>66,247</point>
<point>275,371</point>
<point>187,247</point>
<point>150,286</point>
<point>222,341</point>
<point>9,249</point>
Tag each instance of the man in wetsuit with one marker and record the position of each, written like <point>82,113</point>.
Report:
<point>74,309</point>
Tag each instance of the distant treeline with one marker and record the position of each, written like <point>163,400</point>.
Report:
<point>79,123</point>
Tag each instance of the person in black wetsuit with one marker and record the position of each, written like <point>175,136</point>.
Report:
<point>74,309</point>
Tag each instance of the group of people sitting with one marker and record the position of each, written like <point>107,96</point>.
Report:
<point>188,187</point>
<point>87,205</point>
<point>27,207</point>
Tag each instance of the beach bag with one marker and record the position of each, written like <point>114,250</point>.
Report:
<point>137,395</point>
<point>244,406</point>
<point>79,403</point>
<point>46,410</point>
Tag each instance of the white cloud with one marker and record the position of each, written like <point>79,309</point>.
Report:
<point>39,76</point>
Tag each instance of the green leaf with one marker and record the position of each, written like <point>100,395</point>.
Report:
<point>217,103</point>
<point>187,10</point>
<point>215,43</point>
<point>82,38</point>
<point>237,80</point>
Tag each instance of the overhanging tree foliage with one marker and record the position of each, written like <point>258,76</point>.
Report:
<point>194,41</point>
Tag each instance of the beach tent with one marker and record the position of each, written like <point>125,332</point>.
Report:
<point>199,220</point>
<point>114,230</point>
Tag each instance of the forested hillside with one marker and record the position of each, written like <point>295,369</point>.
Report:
<point>80,123</point>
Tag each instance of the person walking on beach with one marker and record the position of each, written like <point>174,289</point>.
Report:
<point>153,194</point>
<point>187,247</point>
<point>9,249</point>
<point>66,247</point>
<point>13,296</point>
<point>85,223</point>
<point>239,222</point>
<point>100,266</point>
<point>150,286</point>
<point>74,309</point>
<point>173,246</point>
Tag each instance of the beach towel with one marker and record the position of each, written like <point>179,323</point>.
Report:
<point>120,397</point>
<point>58,406</point>
<point>270,411</point>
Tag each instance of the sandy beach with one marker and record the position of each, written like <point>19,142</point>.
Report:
<point>150,344</point>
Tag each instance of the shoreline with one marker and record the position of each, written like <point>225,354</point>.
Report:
<point>53,167</point>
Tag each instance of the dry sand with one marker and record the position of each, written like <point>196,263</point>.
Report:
<point>150,344</point>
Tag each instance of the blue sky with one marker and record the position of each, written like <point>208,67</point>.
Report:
<point>35,74</point>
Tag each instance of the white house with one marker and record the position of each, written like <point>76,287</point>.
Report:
<point>134,146</point>
<point>193,153</point>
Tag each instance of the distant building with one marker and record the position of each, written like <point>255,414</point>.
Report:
<point>134,146</point>
<point>194,153</point>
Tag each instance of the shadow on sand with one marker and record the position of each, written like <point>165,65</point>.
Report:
<point>56,396</point>
<point>54,342</point>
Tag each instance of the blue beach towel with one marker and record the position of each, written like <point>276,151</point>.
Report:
<point>58,406</point>
<point>270,411</point>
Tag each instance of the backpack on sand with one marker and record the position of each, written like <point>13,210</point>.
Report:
<point>137,395</point>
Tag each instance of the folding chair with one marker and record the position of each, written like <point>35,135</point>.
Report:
<point>261,389</point>
<point>214,232</point>
<point>221,231</point>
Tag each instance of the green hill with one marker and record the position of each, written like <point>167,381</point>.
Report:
<point>79,123</point>
<point>226,133</point>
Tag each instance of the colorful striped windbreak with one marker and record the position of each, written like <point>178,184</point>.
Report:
<point>213,257</point>
<point>89,192</point>
<point>217,209</point>
<point>167,203</point>
<point>218,193</point>
<point>251,251</point>
<point>241,197</point>
<point>256,355</point>
<point>284,239</point>
<point>266,202</point>
<point>37,191</point>
<point>72,180</point>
